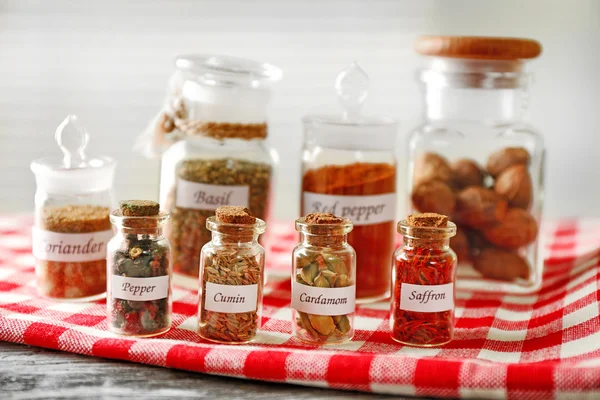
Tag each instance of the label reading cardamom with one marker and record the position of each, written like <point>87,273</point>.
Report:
<point>427,298</point>
<point>202,196</point>
<point>361,210</point>
<point>323,301</point>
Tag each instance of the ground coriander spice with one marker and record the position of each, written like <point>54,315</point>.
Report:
<point>422,310</point>
<point>69,243</point>
<point>366,194</point>
<point>139,271</point>
<point>201,186</point>
<point>323,280</point>
<point>231,277</point>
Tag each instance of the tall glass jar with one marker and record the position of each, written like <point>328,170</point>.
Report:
<point>72,227</point>
<point>323,280</point>
<point>478,161</point>
<point>232,268</point>
<point>349,169</point>
<point>139,301</point>
<point>221,158</point>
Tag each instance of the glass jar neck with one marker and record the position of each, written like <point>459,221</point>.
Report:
<point>238,240</point>
<point>491,106</point>
<point>430,244</point>
<point>152,233</point>
<point>330,241</point>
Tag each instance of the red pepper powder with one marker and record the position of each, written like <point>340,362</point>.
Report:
<point>425,259</point>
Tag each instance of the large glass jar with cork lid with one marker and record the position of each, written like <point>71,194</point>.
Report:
<point>72,227</point>
<point>349,169</point>
<point>476,160</point>
<point>220,113</point>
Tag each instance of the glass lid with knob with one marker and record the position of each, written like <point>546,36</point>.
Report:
<point>352,128</point>
<point>75,171</point>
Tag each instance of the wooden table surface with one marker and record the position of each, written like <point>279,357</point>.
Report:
<point>36,373</point>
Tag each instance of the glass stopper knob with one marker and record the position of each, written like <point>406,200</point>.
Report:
<point>72,139</point>
<point>352,87</point>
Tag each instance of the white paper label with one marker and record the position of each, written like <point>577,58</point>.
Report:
<point>323,301</point>
<point>70,247</point>
<point>231,298</point>
<point>140,289</point>
<point>427,298</point>
<point>201,196</point>
<point>361,210</point>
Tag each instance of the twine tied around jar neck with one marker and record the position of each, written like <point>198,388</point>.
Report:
<point>175,116</point>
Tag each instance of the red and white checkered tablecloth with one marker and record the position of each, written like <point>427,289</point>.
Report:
<point>542,345</point>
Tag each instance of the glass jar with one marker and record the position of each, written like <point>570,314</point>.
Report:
<point>231,281</point>
<point>72,227</point>
<point>349,169</point>
<point>476,160</point>
<point>422,309</point>
<point>221,158</point>
<point>323,280</point>
<point>139,301</point>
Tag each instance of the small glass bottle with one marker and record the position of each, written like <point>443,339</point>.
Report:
<point>476,159</point>
<point>219,114</point>
<point>72,227</point>
<point>139,271</point>
<point>349,169</point>
<point>231,277</point>
<point>422,309</point>
<point>323,280</point>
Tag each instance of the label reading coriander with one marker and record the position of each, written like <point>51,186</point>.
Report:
<point>361,210</point>
<point>202,196</point>
<point>427,298</point>
<point>140,289</point>
<point>231,298</point>
<point>70,247</point>
<point>323,301</point>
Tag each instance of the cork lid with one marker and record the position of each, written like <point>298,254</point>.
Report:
<point>427,226</point>
<point>236,222</point>
<point>474,47</point>
<point>234,215</point>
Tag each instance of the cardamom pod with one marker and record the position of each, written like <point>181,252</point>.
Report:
<point>343,324</point>
<point>322,323</point>
<point>336,264</point>
<point>342,281</point>
<point>309,273</point>
<point>321,281</point>
<point>330,276</point>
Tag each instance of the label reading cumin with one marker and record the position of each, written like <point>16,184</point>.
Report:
<point>202,196</point>
<point>231,298</point>
<point>427,298</point>
<point>70,247</point>
<point>323,301</point>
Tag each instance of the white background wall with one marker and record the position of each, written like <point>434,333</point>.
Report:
<point>108,62</point>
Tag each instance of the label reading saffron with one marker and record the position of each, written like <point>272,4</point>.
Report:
<point>201,196</point>
<point>70,247</point>
<point>361,210</point>
<point>231,298</point>
<point>140,289</point>
<point>323,301</point>
<point>427,298</point>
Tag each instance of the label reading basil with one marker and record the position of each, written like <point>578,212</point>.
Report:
<point>140,289</point>
<point>202,196</point>
<point>70,247</point>
<point>427,298</point>
<point>361,210</point>
<point>231,298</point>
<point>323,301</point>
